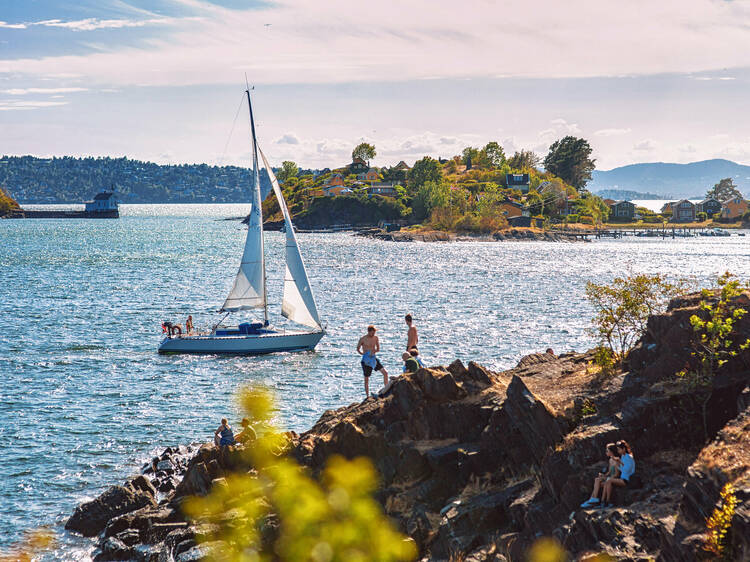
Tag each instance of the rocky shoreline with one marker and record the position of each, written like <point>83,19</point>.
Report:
<point>510,235</point>
<point>479,464</point>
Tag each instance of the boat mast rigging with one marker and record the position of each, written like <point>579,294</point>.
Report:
<point>256,200</point>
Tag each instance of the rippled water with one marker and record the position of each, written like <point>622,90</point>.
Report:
<point>85,397</point>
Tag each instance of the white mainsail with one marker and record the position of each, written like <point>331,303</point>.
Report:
<point>249,289</point>
<point>298,303</point>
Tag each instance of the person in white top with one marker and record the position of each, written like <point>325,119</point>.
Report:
<point>627,469</point>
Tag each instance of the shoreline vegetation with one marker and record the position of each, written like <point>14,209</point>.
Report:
<point>8,205</point>
<point>475,464</point>
<point>482,194</point>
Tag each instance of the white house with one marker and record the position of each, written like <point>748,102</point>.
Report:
<point>102,203</point>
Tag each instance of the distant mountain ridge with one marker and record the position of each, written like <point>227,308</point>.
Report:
<point>627,195</point>
<point>671,180</point>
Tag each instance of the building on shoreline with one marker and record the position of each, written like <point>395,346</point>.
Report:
<point>104,202</point>
<point>734,208</point>
<point>622,210</point>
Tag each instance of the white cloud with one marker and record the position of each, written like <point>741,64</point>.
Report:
<point>6,25</point>
<point>646,145</point>
<point>91,24</point>
<point>612,132</point>
<point>26,91</point>
<point>27,105</point>
<point>330,42</point>
<point>289,138</point>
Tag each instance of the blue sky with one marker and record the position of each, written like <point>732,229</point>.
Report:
<point>162,80</point>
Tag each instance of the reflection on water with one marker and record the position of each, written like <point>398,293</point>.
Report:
<point>86,398</point>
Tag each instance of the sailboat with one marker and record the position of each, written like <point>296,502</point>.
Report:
<point>249,289</point>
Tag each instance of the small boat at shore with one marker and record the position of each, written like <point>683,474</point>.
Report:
<point>714,232</point>
<point>249,290</point>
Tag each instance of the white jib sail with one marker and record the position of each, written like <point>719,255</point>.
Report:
<point>248,290</point>
<point>298,303</point>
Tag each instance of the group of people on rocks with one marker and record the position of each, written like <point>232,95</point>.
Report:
<point>224,435</point>
<point>617,474</point>
<point>369,345</point>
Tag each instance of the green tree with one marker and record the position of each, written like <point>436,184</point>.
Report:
<point>724,190</point>
<point>622,309</point>
<point>524,160</point>
<point>592,205</point>
<point>424,170</point>
<point>569,159</point>
<point>365,151</point>
<point>334,519</point>
<point>715,338</point>
<point>535,203</point>
<point>431,195</point>
<point>492,155</point>
<point>469,156</point>
<point>288,170</point>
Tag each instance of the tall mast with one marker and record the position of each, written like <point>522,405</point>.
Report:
<point>257,201</point>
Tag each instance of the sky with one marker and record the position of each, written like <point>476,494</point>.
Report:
<point>163,80</point>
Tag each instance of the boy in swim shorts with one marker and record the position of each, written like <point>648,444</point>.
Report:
<point>367,347</point>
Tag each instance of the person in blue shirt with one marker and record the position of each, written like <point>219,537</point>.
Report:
<point>627,469</point>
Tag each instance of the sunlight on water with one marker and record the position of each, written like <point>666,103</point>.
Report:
<point>86,399</point>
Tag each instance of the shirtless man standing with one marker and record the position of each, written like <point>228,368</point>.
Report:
<point>367,347</point>
<point>412,339</point>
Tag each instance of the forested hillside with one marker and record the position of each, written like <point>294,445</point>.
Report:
<point>72,180</point>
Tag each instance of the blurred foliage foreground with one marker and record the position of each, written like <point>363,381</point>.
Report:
<point>276,511</point>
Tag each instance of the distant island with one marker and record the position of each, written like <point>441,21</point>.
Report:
<point>480,191</point>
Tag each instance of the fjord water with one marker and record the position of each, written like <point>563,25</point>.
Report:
<point>86,399</point>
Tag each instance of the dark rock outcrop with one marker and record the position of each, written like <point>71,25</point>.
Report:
<point>477,465</point>
<point>89,519</point>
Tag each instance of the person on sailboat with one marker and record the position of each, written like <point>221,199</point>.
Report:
<point>224,434</point>
<point>412,338</point>
<point>367,347</point>
<point>189,324</point>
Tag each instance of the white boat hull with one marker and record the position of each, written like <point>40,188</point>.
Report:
<point>250,344</point>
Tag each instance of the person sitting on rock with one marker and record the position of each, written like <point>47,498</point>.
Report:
<point>414,352</point>
<point>626,472</point>
<point>224,435</point>
<point>247,435</point>
<point>611,471</point>
<point>410,363</point>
